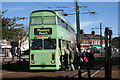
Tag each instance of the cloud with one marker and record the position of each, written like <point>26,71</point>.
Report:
<point>15,9</point>
<point>88,23</point>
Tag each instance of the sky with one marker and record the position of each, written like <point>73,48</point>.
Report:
<point>59,0</point>
<point>106,13</point>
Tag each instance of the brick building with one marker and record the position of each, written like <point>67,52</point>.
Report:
<point>91,40</point>
<point>116,42</point>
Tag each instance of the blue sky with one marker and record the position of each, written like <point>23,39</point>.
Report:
<point>107,13</point>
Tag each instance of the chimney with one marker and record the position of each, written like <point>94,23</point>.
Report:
<point>93,32</point>
<point>81,31</point>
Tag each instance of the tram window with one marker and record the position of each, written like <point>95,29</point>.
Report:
<point>67,26</point>
<point>49,20</point>
<point>36,20</point>
<point>63,24</point>
<point>50,44</point>
<point>36,44</point>
<point>71,30</point>
<point>64,43</point>
<point>59,21</point>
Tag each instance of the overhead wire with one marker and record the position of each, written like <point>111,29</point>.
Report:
<point>70,10</point>
<point>55,4</point>
<point>40,4</point>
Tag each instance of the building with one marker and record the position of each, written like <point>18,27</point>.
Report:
<point>91,40</point>
<point>24,43</point>
<point>5,47</point>
<point>116,42</point>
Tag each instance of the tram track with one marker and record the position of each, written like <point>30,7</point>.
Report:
<point>98,63</point>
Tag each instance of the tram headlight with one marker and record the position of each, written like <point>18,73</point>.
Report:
<point>52,61</point>
<point>32,62</point>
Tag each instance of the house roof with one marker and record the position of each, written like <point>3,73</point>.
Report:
<point>90,36</point>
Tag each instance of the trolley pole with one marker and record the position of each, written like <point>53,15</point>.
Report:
<point>78,32</point>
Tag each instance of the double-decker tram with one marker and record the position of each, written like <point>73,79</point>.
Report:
<point>49,32</point>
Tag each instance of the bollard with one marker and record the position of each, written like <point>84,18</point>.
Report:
<point>89,74</point>
<point>88,70</point>
<point>79,73</point>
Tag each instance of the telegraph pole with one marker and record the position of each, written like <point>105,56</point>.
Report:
<point>106,52</point>
<point>108,34</point>
<point>101,37</point>
<point>78,26</point>
<point>78,32</point>
<point>109,55</point>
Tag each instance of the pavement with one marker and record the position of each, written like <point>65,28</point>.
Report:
<point>115,69</point>
<point>7,59</point>
<point>101,73</point>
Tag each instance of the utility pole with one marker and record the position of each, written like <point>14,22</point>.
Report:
<point>101,37</point>
<point>78,32</point>
<point>108,65</point>
<point>106,52</point>
<point>78,26</point>
<point>109,55</point>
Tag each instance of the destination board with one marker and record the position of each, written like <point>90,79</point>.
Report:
<point>42,31</point>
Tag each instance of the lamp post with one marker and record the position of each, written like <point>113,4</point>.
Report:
<point>100,36</point>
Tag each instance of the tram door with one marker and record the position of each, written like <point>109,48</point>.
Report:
<point>61,49</point>
<point>60,46</point>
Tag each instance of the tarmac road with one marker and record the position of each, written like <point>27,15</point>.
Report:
<point>96,72</point>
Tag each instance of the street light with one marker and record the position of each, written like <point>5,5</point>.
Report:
<point>100,36</point>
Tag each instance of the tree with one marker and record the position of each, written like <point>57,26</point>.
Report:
<point>11,29</point>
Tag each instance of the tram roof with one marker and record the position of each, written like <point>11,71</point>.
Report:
<point>55,12</point>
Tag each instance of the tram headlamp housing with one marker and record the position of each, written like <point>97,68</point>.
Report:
<point>32,57</point>
<point>53,56</point>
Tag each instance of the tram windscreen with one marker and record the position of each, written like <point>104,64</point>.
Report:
<point>50,44</point>
<point>36,44</point>
<point>36,20</point>
<point>39,20</point>
<point>49,20</point>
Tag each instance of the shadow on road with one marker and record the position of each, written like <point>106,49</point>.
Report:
<point>24,65</point>
<point>16,66</point>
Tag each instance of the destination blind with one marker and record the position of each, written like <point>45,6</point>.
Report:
<point>42,31</point>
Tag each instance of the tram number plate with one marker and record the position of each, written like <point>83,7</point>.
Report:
<point>43,31</point>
